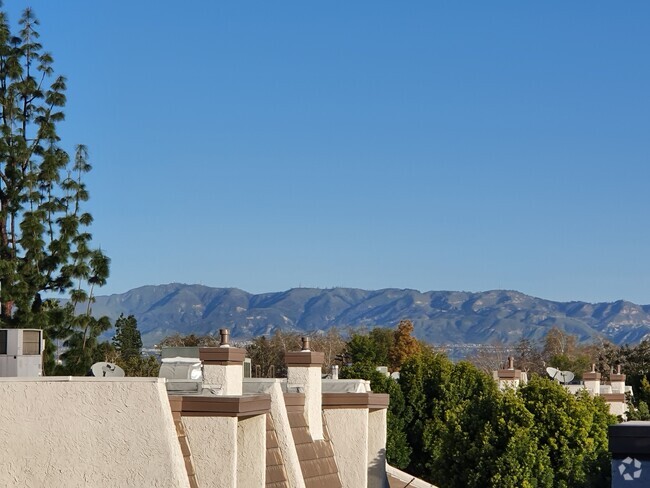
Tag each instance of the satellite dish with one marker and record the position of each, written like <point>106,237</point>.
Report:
<point>106,370</point>
<point>563,377</point>
<point>552,372</point>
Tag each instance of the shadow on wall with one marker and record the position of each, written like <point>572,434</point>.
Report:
<point>377,471</point>
<point>393,477</point>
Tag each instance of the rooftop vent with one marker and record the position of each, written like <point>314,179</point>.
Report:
<point>183,375</point>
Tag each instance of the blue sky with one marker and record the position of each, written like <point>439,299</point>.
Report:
<point>433,145</point>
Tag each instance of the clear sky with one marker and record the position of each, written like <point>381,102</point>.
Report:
<point>433,145</point>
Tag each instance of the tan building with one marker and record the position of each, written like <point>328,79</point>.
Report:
<point>297,432</point>
<point>612,391</point>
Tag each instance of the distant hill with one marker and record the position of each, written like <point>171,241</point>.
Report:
<point>440,317</point>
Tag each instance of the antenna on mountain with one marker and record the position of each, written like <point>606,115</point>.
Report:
<point>563,377</point>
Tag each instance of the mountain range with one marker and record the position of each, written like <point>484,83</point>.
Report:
<point>439,317</point>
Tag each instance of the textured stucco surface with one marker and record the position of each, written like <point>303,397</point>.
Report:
<point>226,377</point>
<point>309,378</point>
<point>79,432</point>
<point>251,452</point>
<point>377,449</point>
<point>348,428</point>
<point>593,386</point>
<point>213,441</point>
<point>618,408</point>
<point>282,427</point>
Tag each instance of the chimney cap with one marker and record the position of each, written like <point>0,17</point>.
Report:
<point>225,338</point>
<point>305,344</point>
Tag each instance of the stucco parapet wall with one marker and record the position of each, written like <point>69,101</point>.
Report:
<point>78,379</point>
<point>223,356</point>
<point>509,374</point>
<point>295,402</point>
<point>221,406</point>
<point>304,358</point>
<point>372,401</point>
<point>346,386</point>
<point>613,397</point>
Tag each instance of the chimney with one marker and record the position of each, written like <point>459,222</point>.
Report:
<point>510,377</point>
<point>335,371</point>
<point>591,380</point>
<point>223,366</point>
<point>304,375</point>
<point>617,380</point>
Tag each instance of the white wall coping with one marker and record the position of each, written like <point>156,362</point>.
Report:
<point>407,478</point>
<point>351,385</point>
<point>79,379</point>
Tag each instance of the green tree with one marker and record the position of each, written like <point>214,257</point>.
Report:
<point>371,347</point>
<point>465,432</point>
<point>44,239</point>
<point>574,427</point>
<point>127,340</point>
<point>139,366</point>
<point>82,346</point>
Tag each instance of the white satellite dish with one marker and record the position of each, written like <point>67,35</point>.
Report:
<point>552,372</point>
<point>106,370</point>
<point>563,377</point>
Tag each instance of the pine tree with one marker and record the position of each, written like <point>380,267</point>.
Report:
<point>127,340</point>
<point>45,245</point>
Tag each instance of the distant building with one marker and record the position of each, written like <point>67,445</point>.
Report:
<point>613,391</point>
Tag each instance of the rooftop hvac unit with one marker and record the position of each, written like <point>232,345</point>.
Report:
<point>183,375</point>
<point>21,352</point>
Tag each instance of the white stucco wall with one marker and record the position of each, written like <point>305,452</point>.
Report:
<point>593,386</point>
<point>227,379</point>
<point>348,428</point>
<point>81,432</point>
<point>377,449</point>
<point>274,387</point>
<point>213,442</point>
<point>618,386</point>
<point>251,452</point>
<point>618,408</point>
<point>309,378</point>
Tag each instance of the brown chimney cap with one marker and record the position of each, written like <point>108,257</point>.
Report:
<point>225,338</point>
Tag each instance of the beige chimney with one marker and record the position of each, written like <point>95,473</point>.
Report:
<point>510,377</point>
<point>591,380</point>
<point>617,381</point>
<point>304,376</point>
<point>223,366</point>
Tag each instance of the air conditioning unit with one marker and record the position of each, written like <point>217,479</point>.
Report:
<point>183,375</point>
<point>21,352</point>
